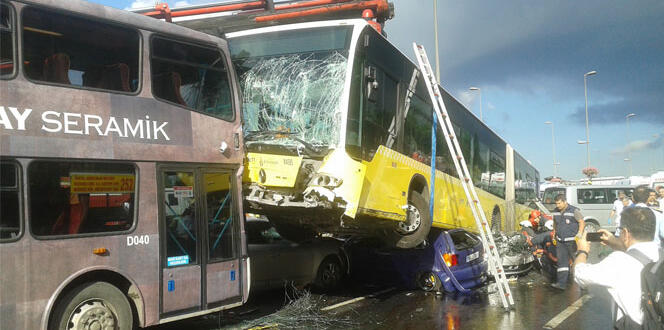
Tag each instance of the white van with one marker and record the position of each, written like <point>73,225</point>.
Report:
<point>594,202</point>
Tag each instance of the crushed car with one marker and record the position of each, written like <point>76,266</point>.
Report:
<point>423,267</point>
<point>277,262</point>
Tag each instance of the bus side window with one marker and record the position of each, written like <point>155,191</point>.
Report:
<point>191,76</point>
<point>71,198</point>
<point>70,50</point>
<point>10,217</point>
<point>6,41</point>
<point>379,114</point>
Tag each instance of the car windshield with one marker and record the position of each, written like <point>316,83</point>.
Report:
<point>551,193</point>
<point>293,81</point>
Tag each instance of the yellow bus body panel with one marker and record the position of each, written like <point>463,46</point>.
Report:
<point>385,190</point>
<point>280,170</point>
<point>338,164</point>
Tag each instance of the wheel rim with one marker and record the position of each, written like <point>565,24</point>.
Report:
<point>427,281</point>
<point>330,273</point>
<point>413,221</point>
<point>93,314</point>
<point>591,227</point>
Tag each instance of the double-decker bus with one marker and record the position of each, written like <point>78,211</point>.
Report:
<point>121,170</point>
<point>338,130</point>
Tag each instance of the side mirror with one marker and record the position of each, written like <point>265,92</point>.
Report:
<point>372,83</point>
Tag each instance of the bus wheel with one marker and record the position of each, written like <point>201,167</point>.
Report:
<point>415,229</point>
<point>97,305</point>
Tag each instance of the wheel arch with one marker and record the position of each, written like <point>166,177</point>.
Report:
<point>419,184</point>
<point>114,277</point>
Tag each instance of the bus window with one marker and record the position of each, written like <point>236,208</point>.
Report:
<point>6,41</point>
<point>417,131</point>
<point>191,76</point>
<point>378,113</point>
<point>70,198</point>
<point>220,217</point>
<point>180,211</point>
<point>75,51</point>
<point>10,225</point>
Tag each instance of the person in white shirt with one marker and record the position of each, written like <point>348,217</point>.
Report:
<point>620,273</point>
<point>641,195</point>
<point>660,194</point>
<point>618,206</point>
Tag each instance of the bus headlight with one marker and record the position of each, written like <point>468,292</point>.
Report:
<point>324,180</point>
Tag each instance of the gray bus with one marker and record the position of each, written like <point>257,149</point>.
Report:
<point>121,166</point>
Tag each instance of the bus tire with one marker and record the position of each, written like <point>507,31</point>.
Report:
<point>417,215</point>
<point>93,305</point>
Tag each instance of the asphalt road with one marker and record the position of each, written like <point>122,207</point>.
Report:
<point>537,306</point>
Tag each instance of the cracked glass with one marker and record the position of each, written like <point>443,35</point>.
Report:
<point>292,84</point>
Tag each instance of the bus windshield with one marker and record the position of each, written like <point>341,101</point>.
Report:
<point>292,83</point>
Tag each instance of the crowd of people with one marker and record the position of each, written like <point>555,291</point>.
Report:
<point>638,243</point>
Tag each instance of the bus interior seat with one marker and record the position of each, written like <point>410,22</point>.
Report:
<point>56,68</point>
<point>113,77</point>
<point>167,86</point>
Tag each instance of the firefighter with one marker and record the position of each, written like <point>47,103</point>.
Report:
<point>545,243</point>
<point>568,224</point>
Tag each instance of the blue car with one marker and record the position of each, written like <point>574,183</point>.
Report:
<point>423,266</point>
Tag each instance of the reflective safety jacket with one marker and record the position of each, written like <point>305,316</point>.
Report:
<point>566,224</point>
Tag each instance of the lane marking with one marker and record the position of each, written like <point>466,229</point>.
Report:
<point>350,301</point>
<point>562,316</point>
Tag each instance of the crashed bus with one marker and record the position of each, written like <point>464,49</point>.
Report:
<point>338,126</point>
<point>121,156</point>
<point>338,133</point>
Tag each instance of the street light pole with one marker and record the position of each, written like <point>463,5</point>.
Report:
<point>585,92</point>
<point>479,91</point>
<point>435,34</point>
<point>553,147</point>
<point>629,147</point>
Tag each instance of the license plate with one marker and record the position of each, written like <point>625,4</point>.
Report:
<point>472,256</point>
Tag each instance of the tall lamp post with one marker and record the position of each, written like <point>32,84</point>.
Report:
<point>435,35</point>
<point>629,147</point>
<point>553,148</point>
<point>479,91</point>
<point>585,92</point>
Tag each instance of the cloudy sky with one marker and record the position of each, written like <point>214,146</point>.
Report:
<point>529,58</point>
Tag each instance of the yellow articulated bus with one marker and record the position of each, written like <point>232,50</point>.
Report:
<point>338,130</point>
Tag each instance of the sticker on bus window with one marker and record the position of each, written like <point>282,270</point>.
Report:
<point>177,260</point>
<point>183,191</point>
<point>86,183</point>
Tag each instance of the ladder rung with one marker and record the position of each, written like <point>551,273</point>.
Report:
<point>459,157</point>
<point>475,201</point>
<point>467,179</point>
<point>451,136</point>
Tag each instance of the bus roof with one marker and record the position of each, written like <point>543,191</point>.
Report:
<point>123,17</point>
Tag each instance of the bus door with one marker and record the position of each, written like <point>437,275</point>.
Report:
<point>200,241</point>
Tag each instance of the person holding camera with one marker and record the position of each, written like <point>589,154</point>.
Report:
<point>620,272</point>
<point>568,224</point>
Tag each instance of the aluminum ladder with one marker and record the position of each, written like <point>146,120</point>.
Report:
<point>490,249</point>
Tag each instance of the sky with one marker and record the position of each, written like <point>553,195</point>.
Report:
<point>529,59</point>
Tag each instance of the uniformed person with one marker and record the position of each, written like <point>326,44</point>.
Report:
<point>547,250</point>
<point>568,224</point>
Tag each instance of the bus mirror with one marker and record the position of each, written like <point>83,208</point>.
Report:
<point>372,83</point>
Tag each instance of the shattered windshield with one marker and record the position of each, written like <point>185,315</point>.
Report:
<point>292,82</point>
